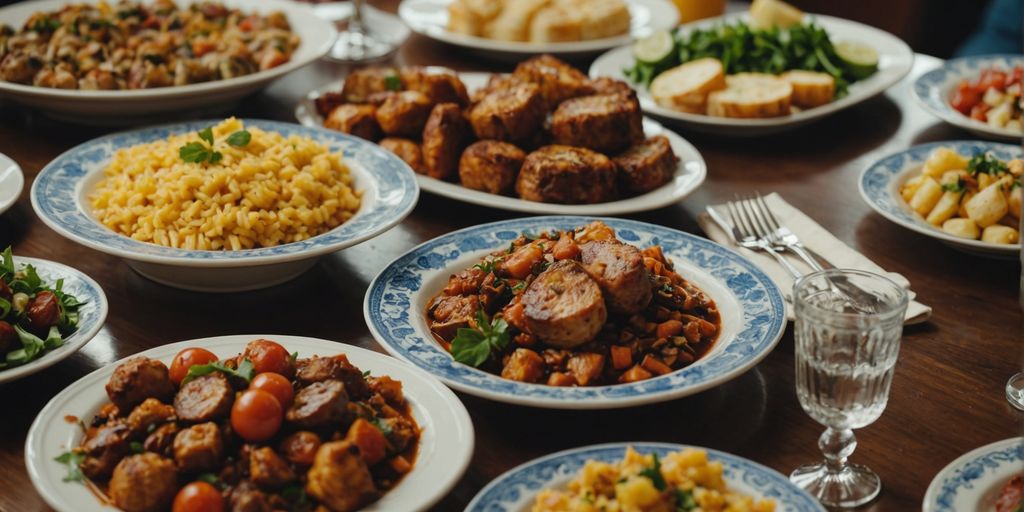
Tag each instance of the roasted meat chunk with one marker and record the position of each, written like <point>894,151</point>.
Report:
<point>607,123</point>
<point>438,84</point>
<point>558,81</point>
<point>490,166</point>
<point>619,270</point>
<point>495,82</point>
<point>510,114</point>
<point>361,83</point>
<point>646,165</point>
<point>104,447</point>
<point>137,379</point>
<point>339,478</point>
<point>205,398</point>
<point>319,369</point>
<point>608,85</point>
<point>567,174</point>
<point>444,136</point>
<point>358,120</point>
<point>563,306</point>
<point>161,440</point>
<point>199,448</point>
<point>318,404</point>
<point>246,497</point>
<point>452,313</point>
<point>267,469</point>
<point>145,482</point>
<point>523,365</point>
<point>408,150</point>
<point>404,113</point>
<point>150,413</point>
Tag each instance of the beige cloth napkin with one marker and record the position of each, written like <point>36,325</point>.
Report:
<point>815,238</point>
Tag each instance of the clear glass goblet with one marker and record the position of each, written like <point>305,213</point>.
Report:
<point>357,43</point>
<point>846,349</point>
<point>1015,386</point>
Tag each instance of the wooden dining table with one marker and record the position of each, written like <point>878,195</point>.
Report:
<point>947,395</point>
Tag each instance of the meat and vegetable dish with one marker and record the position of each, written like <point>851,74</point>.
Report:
<point>1011,497</point>
<point>544,133</point>
<point>260,431</point>
<point>994,98</point>
<point>35,316</point>
<point>574,308</point>
<point>131,45</point>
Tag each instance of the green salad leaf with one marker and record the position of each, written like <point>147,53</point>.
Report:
<point>72,460</point>
<point>245,371</point>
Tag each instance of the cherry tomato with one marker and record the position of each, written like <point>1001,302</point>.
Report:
<point>275,384</point>
<point>188,358</point>
<point>992,79</point>
<point>980,112</point>
<point>965,98</point>
<point>268,356</point>
<point>301,447</point>
<point>256,415</point>
<point>198,497</point>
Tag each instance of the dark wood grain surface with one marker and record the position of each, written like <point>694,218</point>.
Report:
<point>947,394</point>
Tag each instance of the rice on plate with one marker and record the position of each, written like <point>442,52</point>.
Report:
<point>225,187</point>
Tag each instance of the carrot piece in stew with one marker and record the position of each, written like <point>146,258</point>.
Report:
<point>634,374</point>
<point>622,357</point>
<point>669,328</point>
<point>370,440</point>
<point>400,465</point>
<point>655,366</point>
<point>520,263</point>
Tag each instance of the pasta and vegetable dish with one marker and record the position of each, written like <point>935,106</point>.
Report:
<point>574,308</point>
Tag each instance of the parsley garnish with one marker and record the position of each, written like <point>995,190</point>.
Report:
<point>383,426</point>
<point>653,474</point>
<point>685,501</point>
<point>518,286</point>
<point>136,447</point>
<point>487,266</point>
<point>72,460</point>
<point>240,138</point>
<point>957,186</point>
<point>986,163</point>
<point>209,478</point>
<point>475,346</point>
<point>198,152</point>
<point>245,371</point>
<point>393,83</point>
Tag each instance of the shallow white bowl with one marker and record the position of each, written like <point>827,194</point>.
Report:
<point>690,172</point>
<point>11,182</point>
<point>974,480</point>
<point>134,106</point>
<point>445,449</point>
<point>895,61</point>
<point>60,199</point>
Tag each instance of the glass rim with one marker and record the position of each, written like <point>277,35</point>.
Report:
<point>897,307</point>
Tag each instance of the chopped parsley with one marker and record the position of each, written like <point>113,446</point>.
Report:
<point>986,163</point>
<point>475,346</point>
<point>393,83</point>
<point>653,473</point>
<point>197,152</point>
<point>72,460</point>
<point>957,187</point>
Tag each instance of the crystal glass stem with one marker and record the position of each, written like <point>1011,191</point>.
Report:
<point>837,445</point>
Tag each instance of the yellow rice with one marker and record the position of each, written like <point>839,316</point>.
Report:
<point>275,190</point>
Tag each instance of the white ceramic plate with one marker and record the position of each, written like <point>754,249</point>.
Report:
<point>752,312</point>
<point>132,106</point>
<point>880,186</point>
<point>430,18</point>
<point>934,89</point>
<point>90,320</point>
<point>974,480</point>
<point>445,449</point>
<point>516,489</point>
<point>895,61</point>
<point>11,182</point>
<point>60,199</point>
<point>690,173</point>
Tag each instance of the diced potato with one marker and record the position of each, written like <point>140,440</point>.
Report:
<point>951,177</point>
<point>962,212</point>
<point>945,208</point>
<point>984,180</point>
<point>943,159</point>
<point>999,234</point>
<point>1000,115</point>
<point>987,206</point>
<point>910,186</point>
<point>927,195</point>
<point>961,227</point>
<point>1014,201</point>
<point>993,97</point>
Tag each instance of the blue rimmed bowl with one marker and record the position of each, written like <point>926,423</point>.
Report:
<point>752,312</point>
<point>974,480</point>
<point>881,181</point>
<point>515,490</point>
<point>60,198</point>
<point>934,89</point>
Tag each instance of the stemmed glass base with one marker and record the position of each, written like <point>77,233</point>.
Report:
<point>359,46</point>
<point>1015,391</point>
<point>850,486</point>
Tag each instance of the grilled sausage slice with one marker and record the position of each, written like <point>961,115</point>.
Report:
<point>566,174</point>
<point>145,482</point>
<point>619,270</point>
<point>607,123</point>
<point>409,151</point>
<point>318,404</point>
<point>137,379</point>
<point>646,166</point>
<point>358,120</point>
<point>205,398</point>
<point>444,136</point>
<point>509,114</point>
<point>339,478</point>
<point>319,369</point>
<point>199,448</point>
<point>490,166</point>
<point>404,113</point>
<point>563,306</point>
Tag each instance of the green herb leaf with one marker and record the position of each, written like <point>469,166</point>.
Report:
<point>685,502</point>
<point>239,138</point>
<point>31,346</point>
<point>7,265</point>
<point>207,135</point>
<point>136,447</point>
<point>383,426</point>
<point>72,460</point>
<point>475,346</point>
<point>209,478</point>
<point>653,474</point>
<point>295,495</point>
<point>486,265</point>
<point>245,371</point>
<point>215,157</point>
<point>986,163</point>
<point>194,152</point>
<point>393,83</point>
<point>957,187</point>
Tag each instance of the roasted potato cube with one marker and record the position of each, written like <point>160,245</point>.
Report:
<point>490,166</point>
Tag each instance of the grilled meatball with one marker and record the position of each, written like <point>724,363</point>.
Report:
<point>199,448</point>
<point>563,306</point>
<point>145,482</point>
<point>451,313</point>
<point>646,166</point>
<point>267,469</point>
<point>444,136</point>
<point>104,448</point>
<point>361,83</point>
<point>327,102</point>
<point>510,114</point>
<point>491,166</point>
<point>619,270</point>
<point>607,123</point>
<point>205,398</point>
<point>608,85</point>
<point>558,81</point>
<point>496,82</point>
<point>149,413</point>
<point>161,440</point>
<point>245,497</point>
<point>404,113</point>
<point>318,404</point>
<point>319,369</point>
<point>438,84</point>
<point>407,150</point>
<point>358,120</point>
<point>339,478</point>
<point>137,379</point>
<point>566,174</point>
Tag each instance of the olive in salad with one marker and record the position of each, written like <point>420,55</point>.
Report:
<point>35,316</point>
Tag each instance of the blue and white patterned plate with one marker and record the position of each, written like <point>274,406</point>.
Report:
<point>90,319</point>
<point>935,88</point>
<point>515,490</point>
<point>751,306</point>
<point>60,198</point>
<point>974,481</point>
<point>880,187</point>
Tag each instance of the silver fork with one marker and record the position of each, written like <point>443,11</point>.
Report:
<point>780,234</point>
<point>746,234</point>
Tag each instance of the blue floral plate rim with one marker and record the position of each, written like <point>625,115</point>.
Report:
<point>974,474</point>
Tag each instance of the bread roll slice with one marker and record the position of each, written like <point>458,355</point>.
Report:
<point>751,95</point>
<point>555,23</point>
<point>470,16</point>
<point>810,88</point>
<point>602,18</point>
<point>686,87</point>
<point>513,23</point>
